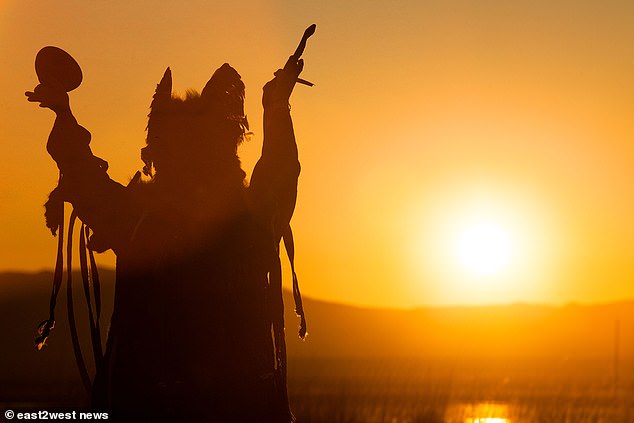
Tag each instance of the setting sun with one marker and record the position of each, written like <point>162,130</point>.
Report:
<point>484,247</point>
<point>480,241</point>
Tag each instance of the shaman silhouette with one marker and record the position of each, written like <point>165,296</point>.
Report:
<point>197,331</point>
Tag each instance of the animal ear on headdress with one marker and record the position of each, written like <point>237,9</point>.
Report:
<point>163,92</point>
<point>161,100</point>
<point>224,93</point>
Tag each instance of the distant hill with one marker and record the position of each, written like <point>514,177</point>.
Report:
<point>511,331</point>
<point>335,331</point>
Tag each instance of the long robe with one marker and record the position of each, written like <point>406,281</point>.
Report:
<point>190,336</point>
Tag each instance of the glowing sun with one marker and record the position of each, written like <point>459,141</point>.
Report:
<point>484,247</point>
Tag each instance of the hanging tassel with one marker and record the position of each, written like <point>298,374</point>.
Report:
<point>94,272</point>
<point>43,332</point>
<point>289,244</point>
<point>95,335</point>
<point>79,358</point>
<point>45,327</point>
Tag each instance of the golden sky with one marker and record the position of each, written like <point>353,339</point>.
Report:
<point>428,118</point>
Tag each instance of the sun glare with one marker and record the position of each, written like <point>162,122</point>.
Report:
<point>484,247</point>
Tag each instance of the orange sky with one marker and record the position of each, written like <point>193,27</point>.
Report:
<point>423,114</point>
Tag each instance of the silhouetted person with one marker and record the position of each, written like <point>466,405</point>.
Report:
<point>190,336</point>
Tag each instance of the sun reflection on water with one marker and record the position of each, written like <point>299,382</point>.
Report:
<point>483,412</point>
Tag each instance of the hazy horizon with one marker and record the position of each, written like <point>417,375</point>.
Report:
<point>370,306</point>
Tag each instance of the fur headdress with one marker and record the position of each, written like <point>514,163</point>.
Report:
<point>216,115</point>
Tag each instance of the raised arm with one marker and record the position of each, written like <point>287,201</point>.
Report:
<point>101,203</point>
<point>274,180</point>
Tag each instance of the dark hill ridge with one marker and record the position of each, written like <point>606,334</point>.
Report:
<point>335,331</point>
<point>518,330</point>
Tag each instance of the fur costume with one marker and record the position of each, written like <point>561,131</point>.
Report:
<point>197,296</point>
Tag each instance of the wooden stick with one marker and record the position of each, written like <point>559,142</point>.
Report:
<point>302,44</point>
